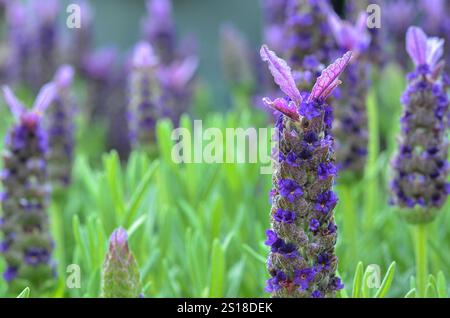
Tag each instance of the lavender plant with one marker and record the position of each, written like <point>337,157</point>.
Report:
<point>419,185</point>
<point>121,277</point>
<point>302,262</point>
<point>144,96</point>
<point>351,118</point>
<point>27,244</point>
<point>59,124</point>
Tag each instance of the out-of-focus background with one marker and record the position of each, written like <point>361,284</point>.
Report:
<point>117,24</point>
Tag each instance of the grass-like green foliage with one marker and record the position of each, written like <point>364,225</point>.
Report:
<point>197,230</point>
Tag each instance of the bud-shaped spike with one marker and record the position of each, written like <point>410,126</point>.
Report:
<point>121,277</point>
<point>281,73</point>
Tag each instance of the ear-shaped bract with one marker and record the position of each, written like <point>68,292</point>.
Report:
<point>64,76</point>
<point>416,45</point>
<point>281,73</point>
<point>328,80</point>
<point>349,36</point>
<point>16,107</point>
<point>283,106</point>
<point>182,72</point>
<point>435,50</point>
<point>45,97</point>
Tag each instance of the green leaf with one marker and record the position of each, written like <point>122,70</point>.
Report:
<point>81,241</point>
<point>356,293</point>
<point>365,286</point>
<point>387,281</point>
<point>218,269</point>
<point>113,174</point>
<point>139,194</point>
<point>430,291</point>
<point>411,293</point>
<point>25,293</point>
<point>441,285</point>
<point>254,254</point>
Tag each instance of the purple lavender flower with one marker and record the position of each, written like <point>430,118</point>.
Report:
<point>308,43</point>
<point>59,124</point>
<point>27,244</point>
<point>120,276</point>
<point>144,96</point>
<point>159,29</point>
<point>421,169</point>
<point>303,232</point>
<point>351,117</point>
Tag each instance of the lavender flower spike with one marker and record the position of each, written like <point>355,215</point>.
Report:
<point>27,244</point>
<point>144,96</point>
<point>121,277</point>
<point>420,187</point>
<point>302,262</point>
<point>351,118</point>
<point>60,127</point>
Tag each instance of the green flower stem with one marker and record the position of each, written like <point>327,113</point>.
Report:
<point>420,236</point>
<point>371,194</point>
<point>350,232</point>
